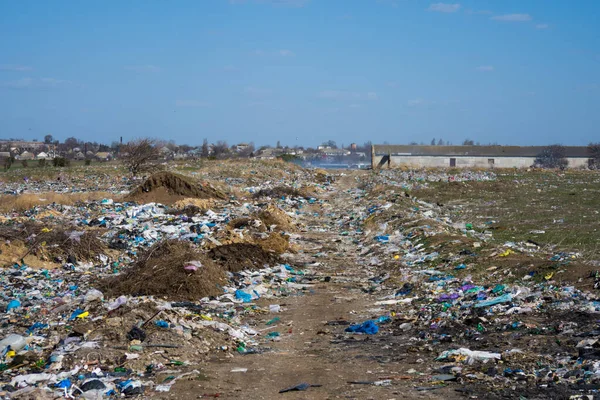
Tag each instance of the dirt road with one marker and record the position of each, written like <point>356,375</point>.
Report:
<point>313,347</point>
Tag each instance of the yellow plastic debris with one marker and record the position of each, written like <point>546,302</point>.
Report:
<point>83,315</point>
<point>507,253</point>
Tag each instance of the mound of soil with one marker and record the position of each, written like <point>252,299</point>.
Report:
<point>277,242</point>
<point>239,256</point>
<point>275,216</point>
<point>164,270</point>
<point>169,188</point>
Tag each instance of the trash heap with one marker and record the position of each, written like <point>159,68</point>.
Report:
<point>467,309</point>
<point>112,297</point>
<point>131,294</point>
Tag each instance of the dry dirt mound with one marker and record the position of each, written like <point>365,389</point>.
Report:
<point>277,242</point>
<point>169,188</point>
<point>275,216</point>
<point>239,256</point>
<point>167,269</point>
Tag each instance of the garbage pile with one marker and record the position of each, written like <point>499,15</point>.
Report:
<point>107,298</point>
<point>129,295</point>
<point>466,308</point>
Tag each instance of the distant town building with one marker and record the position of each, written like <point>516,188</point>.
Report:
<point>335,152</point>
<point>25,156</point>
<point>390,156</point>
<point>103,156</point>
<point>241,146</point>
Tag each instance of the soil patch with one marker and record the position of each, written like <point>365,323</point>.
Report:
<point>239,256</point>
<point>167,269</point>
<point>169,188</point>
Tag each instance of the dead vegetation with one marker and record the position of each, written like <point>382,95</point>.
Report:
<point>171,269</point>
<point>50,244</point>
<point>24,202</point>
<point>236,257</point>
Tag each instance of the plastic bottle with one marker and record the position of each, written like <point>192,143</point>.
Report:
<point>16,342</point>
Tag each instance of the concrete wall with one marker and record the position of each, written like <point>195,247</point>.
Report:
<point>381,161</point>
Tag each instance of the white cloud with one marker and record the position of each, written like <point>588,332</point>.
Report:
<point>191,103</point>
<point>512,17</point>
<point>32,83</point>
<point>485,68</point>
<point>142,68</point>
<point>346,95</point>
<point>286,53</point>
<point>54,82</point>
<point>542,26</point>
<point>23,83</point>
<point>14,67</point>
<point>444,7</point>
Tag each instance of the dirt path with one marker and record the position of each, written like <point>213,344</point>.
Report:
<point>311,350</point>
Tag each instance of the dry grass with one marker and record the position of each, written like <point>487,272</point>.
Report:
<point>24,202</point>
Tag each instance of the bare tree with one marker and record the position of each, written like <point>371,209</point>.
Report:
<point>594,150</point>
<point>138,155</point>
<point>220,148</point>
<point>468,142</point>
<point>71,143</point>
<point>553,156</point>
<point>440,142</point>
<point>204,148</point>
<point>433,142</point>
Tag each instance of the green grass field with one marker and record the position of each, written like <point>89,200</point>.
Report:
<point>519,205</point>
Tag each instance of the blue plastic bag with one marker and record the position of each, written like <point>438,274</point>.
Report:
<point>368,327</point>
<point>245,297</point>
<point>505,298</point>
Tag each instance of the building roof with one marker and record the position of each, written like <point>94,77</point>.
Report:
<point>474,151</point>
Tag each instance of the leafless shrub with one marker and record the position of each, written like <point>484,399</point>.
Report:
<point>138,155</point>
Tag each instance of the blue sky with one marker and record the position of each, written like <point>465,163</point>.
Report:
<point>301,71</point>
